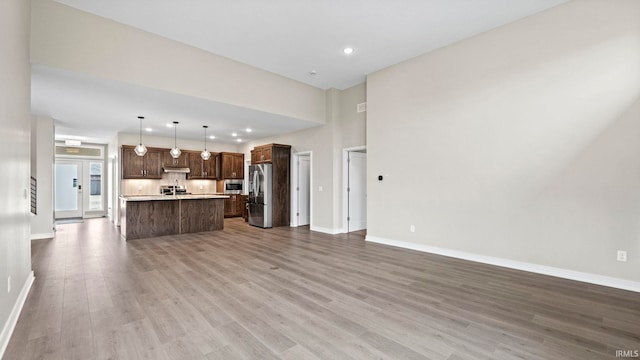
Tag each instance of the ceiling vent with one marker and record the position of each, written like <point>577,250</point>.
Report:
<point>362,107</point>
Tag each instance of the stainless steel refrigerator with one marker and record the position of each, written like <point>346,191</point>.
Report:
<point>260,194</point>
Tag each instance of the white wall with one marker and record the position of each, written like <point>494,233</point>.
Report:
<point>15,119</point>
<point>113,190</point>
<point>42,134</point>
<point>521,143</point>
<point>70,39</point>
<point>344,128</point>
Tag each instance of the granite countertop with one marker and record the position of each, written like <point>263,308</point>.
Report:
<point>172,197</point>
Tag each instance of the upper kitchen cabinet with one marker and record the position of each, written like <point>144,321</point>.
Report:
<point>231,165</point>
<point>263,154</point>
<point>169,162</point>
<point>202,169</point>
<point>148,166</point>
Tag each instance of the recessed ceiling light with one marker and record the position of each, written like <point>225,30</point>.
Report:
<point>248,130</point>
<point>234,134</point>
<point>211,137</point>
<point>170,125</point>
<point>348,50</point>
<point>239,140</point>
<point>149,129</point>
<point>312,72</point>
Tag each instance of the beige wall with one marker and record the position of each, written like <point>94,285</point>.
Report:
<point>70,39</point>
<point>344,128</point>
<point>15,119</point>
<point>42,134</point>
<point>521,143</point>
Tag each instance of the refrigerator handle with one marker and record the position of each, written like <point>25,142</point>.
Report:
<point>256,185</point>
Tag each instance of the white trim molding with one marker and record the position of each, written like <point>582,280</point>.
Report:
<point>42,236</point>
<point>10,325</point>
<point>345,184</point>
<point>325,230</point>
<point>514,264</point>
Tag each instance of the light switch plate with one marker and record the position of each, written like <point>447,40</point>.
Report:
<point>622,255</point>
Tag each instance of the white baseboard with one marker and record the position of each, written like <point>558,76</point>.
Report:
<point>42,236</point>
<point>325,230</point>
<point>9,326</point>
<point>513,264</point>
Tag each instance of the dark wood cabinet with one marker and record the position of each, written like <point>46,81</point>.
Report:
<point>150,218</point>
<point>262,154</point>
<point>209,167</point>
<point>235,205</point>
<point>148,166</point>
<point>201,169</point>
<point>231,165</point>
<point>243,207</point>
<point>231,206</point>
<point>280,157</point>
<point>169,162</point>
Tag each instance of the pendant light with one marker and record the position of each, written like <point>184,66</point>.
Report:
<point>140,149</point>
<point>175,152</point>
<point>205,155</point>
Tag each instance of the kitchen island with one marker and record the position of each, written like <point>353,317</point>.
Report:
<point>157,215</point>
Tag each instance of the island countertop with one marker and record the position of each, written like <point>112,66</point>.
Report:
<point>172,197</point>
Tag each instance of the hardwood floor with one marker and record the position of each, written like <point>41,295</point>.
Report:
<point>289,293</point>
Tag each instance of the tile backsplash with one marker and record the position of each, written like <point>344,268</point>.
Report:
<point>152,187</point>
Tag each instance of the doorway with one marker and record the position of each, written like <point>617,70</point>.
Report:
<point>354,189</point>
<point>68,189</point>
<point>80,181</point>
<point>301,199</point>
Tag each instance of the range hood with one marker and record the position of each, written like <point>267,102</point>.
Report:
<point>180,170</point>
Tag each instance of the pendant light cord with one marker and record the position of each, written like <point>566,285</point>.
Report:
<point>205,137</point>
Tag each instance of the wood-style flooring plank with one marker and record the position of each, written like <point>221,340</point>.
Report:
<point>290,293</point>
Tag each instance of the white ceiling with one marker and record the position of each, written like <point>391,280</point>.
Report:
<point>287,37</point>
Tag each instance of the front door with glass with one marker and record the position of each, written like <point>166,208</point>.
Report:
<point>68,189</point>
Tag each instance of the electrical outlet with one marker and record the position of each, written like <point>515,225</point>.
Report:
<point>622,255</point>
<point>9,284</point>
<point>201,187</point>
<point>412,228</point>
<point>320,188</point>
<point>139,187</point>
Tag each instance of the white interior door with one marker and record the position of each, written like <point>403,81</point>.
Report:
<point>68,189</point>
<point>304,188</point>
<point>357,191</point>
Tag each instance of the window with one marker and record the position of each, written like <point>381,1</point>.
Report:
<point>95,195</point>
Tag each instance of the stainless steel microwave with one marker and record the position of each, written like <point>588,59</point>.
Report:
<point>233,186</point>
